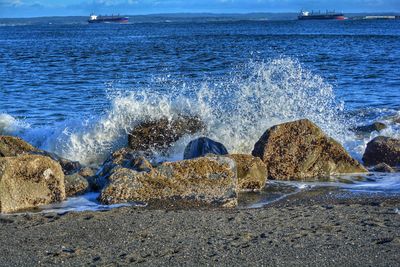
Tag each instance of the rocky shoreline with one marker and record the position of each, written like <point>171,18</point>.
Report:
<point>208,174</point>
<point>192,217</point>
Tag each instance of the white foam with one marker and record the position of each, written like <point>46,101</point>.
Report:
<point>11,126</point>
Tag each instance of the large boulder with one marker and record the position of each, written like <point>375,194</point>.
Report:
<point>299,150</point>
<point>161,134</point>
<point>208,180</point>
<point>28,181</point>
<point>251,172</point>
<point>203,146</point>
<point>382,149</point>
<point>11,146</point>
<point>75,184</point>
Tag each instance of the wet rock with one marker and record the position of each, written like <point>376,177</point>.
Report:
<point>28,181</point>
<point>376,126</point>
<point>122,158</point>
<point>75,184</point>
<point>161,134</point>
<point>203,146</point>
<point>382,149</point>
<point>383,167</point>
<point>251,172</point>
<point>300,150</point>
<point>68,166</point>
<point>210,180</point>
<point>86,172</point>
<point>11,146</point>
<point>396,119</point>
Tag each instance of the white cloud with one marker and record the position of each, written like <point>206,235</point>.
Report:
<point>13,3</point>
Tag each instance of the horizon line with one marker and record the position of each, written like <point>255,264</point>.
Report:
<point>202,13</point>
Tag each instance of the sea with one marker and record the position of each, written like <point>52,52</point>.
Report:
<point>77,89</point>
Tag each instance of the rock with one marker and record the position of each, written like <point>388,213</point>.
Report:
<point>75,184</point>
<point>382,149</point>
<point>383,167</point>
<point>211,181</point>
<point>203,146</point>
<point>28,181</point>
<point>376,126</point>
<point>123,158</point>
<point>300,150</point>
<point>11,146</point>
<point>161,134</point>
<point>86,172</point>
<point>396,120</point>
<point>68,166</point>
<point>251,172</point>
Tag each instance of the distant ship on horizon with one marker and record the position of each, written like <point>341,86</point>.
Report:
<point>305,15</point>
<point>107,19</point>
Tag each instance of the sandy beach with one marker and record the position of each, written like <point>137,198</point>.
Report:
<point>315,228</point>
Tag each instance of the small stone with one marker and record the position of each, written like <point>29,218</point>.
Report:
<point>86,172</point>
<point>376,126</point>
<point>75,184</point>
<point>383,167</point>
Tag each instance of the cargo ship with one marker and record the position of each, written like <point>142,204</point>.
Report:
<point>107,19</point>
<point>305,15</point>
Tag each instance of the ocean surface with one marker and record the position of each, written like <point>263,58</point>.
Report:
<point>77,89</point>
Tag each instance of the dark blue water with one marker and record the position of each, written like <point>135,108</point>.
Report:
<point>77,89</point>
<point>49,73</point>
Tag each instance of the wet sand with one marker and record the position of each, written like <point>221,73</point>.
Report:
<point>316,228</point>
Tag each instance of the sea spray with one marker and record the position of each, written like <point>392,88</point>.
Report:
<point>10,125</point>
<point>236,108</point>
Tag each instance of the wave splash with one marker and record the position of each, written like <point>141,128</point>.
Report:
<point>237,109</point>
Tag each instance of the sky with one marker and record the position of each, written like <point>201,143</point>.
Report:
<point>36,8</point>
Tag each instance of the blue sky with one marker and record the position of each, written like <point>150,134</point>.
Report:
<point>34,8</point>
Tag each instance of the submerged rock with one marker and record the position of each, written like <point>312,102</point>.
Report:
<point>396,119</point>
<point>28,181</point>
<point>376,126</point>
<point>251,172</point>
<point>383,167</point>
<point>11,146</point>
<point>203,146</point>
<point>75,184</point>
<point>210,180</point>
<point>161,134</point>
<point>382,149</point>
<point>300,150</point>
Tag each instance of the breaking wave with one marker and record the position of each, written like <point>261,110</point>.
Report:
<point>237,109</point>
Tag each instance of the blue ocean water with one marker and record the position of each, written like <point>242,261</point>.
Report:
<point>76,89</point>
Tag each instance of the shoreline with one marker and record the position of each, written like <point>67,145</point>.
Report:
<point>310,228</point>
